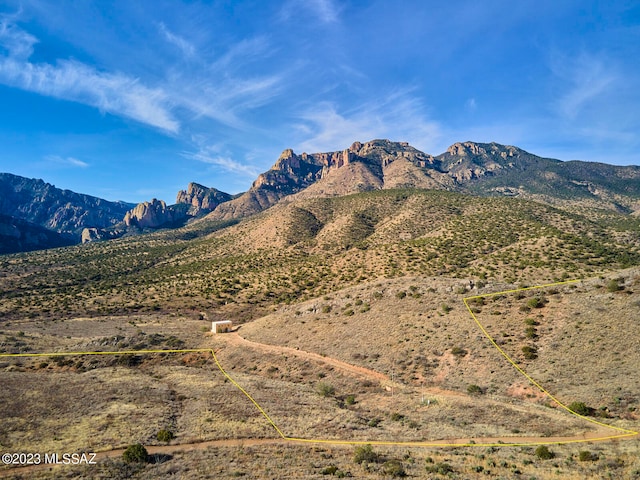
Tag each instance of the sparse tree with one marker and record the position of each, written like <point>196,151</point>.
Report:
<point>136,453</point>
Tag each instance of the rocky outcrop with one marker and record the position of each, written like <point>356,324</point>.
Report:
<point>100,234</point>
<point>201,199</point>
<point>151,214</point>
<point>361,167</point>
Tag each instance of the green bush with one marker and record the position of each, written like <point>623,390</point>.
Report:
<point>474,390</point>
<point>365,454</point>
<point>543,453</point>
<point>350,400</point>
<point>136,454</point>
<point>581,408</point>
<point>536,302</point>
<point>164,435</point>
<point>330,470</point>
<point>613,285</point>
<point>586,456</point>
<point>530,353</point>
<point>531,332</point>
<point>325,390</point>
<point>393,468</point>
<point>441,468</point>
<point>458,351</point>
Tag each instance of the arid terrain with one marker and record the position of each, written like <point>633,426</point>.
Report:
<point>354,351</point>
<point>397,360</point>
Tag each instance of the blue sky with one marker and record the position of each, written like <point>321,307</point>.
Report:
<point>133,100</point>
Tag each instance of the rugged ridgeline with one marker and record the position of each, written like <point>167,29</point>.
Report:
<point>476,168</point>
<point>484,169</point>
<point>196,201</point>
<point>38,215</point>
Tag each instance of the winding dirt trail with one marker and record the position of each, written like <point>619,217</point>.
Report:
<point>595,436</point>
<point>234,338</point>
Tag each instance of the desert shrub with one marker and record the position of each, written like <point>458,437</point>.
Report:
<point>330,470</point>
<point>530,353</point>
<point>135,453</point>
<point>374,422</point>
<point>446,308</point>
<point>613,285</point>
<point>401,294</point>
<point>440,468</point>
<point>531,332</point>
<point>474,390</point>
<point>365,454</point>
<point>393,468</point>
<point>325,389</point>
<point>396,417</point>
<point>458,351</point>
<point>536,302</point>
<point>350,400</point>
<point>127,360</point>
<point>587,456</point>
<point>580,408</point>
<point>164,435</point>
<point>543,453</point>
<point>326,308</point>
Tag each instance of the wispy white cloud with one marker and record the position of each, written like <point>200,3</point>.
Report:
<point>212,91</point>
<point>65,161</point>
<point>327,11</point>
<point>185,46</point>
<point>399,117</point>
<point>587,77</point>
<point>471,104</point>
<point>113,93</point>
<point>18,43</point>
<point>226,163</point>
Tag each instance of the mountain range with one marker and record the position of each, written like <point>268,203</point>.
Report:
<point>35,214</point>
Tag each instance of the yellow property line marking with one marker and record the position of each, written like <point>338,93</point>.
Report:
<point>626,432</point>
<point>471,443</point>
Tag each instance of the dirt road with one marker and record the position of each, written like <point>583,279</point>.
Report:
<point>234,338</point>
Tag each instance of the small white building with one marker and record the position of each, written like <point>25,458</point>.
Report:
<point>223,326</point>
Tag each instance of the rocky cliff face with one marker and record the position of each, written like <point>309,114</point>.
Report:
<point>201,199</point>
<point>61,211</point>
<point>151,214</point>
<point>477,168</point>
<point>362,166</point>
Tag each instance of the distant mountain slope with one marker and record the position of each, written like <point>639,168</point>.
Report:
<point>61,211</point>
<point>486,169</point>
<point>494,169</point>
<point>21,236</point>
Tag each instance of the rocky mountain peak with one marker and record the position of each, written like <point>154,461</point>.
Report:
<point>149,214</point>
<point>201,198</point>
